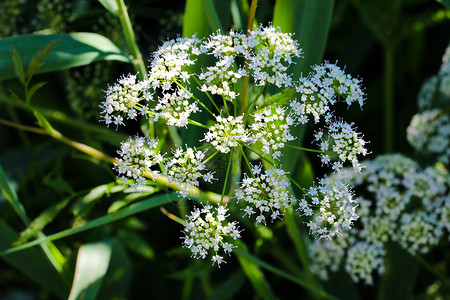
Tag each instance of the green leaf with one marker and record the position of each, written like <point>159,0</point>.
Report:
<point>202,17</point>
<point>15,96</point>
<point>253,273</point>
<point>82,205</point>
<point>135,243</point>
<point>194,21</point>
<point>72,50</point>
<point>400,274</point>
<point>40,222</point>
<point>42,121</point>
<point>211,15</point>
<point>110,5</point>
<point>11,196</point>
<point>18,66</point>
<point>229,288</point>
<point>38,59</point>
<point>118,277</point>
<point>310,20</point>
<point>446,3</point>
<point>250,259</point>
<point>33,90</point>
<point>108,219</point>
<point>92,264</point>
<point>32,264</point>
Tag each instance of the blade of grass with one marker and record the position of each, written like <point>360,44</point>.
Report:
<point>33,264</point>
<point>211,15</point>
<point>253,273</point>
<point>11,196</point>
<point>129,211</point>
<point>243,254</point>
<point>92,264</point>
<point>310,20</point>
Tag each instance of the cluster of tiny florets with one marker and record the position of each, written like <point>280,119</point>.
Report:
<point>271,128</point>
<point>321,89</point>
<point>207,230</point>
<point>137,157</point>
<point>265,193</point>
<point>405,204</point>
<point>185,169</point>
<point>123,100</point>
<point>341,139</point>
<point>429,133</point>
<point>331,207</point>
<point>271,55</point>
<point>227,133</point>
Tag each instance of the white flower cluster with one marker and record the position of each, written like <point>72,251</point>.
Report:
<point>321,89</point>
<point>185,169</point>
<point>206,230</point>
<point>429,130</point>
<point>124,98</point>
<point>265,193</point>
<point>271,128</point>
<point>220,78</point>
<point>341,139</point>
<point>137,157</point>
<point>271,55</point>
<point>189,74</point>
<point>331,207</point>
<point>409,205</point>
<point>429,133</point>
<point>227,133</point>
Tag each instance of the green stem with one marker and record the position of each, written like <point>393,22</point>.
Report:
<point>210,157</point>
<point>207,94</point>
<point>245,81</point>
<point>128,31</point>
<point>192,95</point>
<point>226,178</point>
<point>197,124</point>
<point>388,98</point>
<point>307,149</point>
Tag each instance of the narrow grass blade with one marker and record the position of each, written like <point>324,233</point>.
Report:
<point>310,20</point>
<point>243,254</point>
<point>129,211</point>
<point>11,196</point>
<point>41,221</point>
<point>92,264</point>
<point>253,273</point>
<point>211,15</point>
<point>33,264</point>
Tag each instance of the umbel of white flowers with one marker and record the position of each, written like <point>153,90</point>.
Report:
<point>177,87</point>
<point>403,203</point>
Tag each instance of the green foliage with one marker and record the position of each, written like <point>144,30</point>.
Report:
<point>71,50</point>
